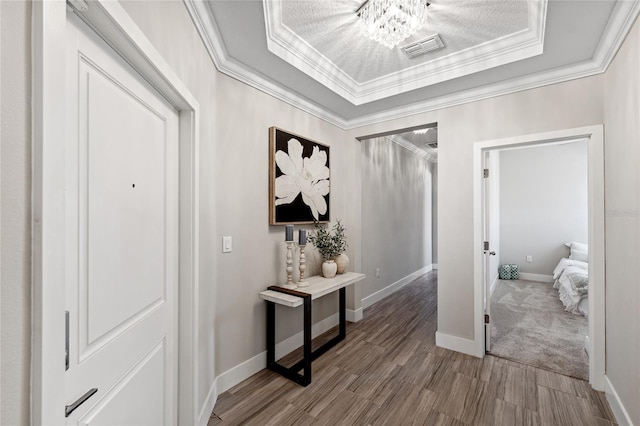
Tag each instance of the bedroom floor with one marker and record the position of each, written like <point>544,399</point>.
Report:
<point>530,325</point>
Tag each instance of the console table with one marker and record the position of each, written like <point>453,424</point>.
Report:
<point>303,296</point>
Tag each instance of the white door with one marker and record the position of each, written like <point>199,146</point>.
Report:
<point>121,240</point>
<point>487,251</point>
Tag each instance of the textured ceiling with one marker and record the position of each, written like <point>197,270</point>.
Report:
<point>580,38</point>
<point>332,29</point>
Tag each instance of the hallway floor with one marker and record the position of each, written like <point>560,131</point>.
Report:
<point>388,371</point>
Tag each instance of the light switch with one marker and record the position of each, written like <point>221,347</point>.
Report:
<point>529,259</point>
<point>227,244</point>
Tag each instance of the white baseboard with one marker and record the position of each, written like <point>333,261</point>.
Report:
<point>243,371</point>
<point>209,403</point>
<point>434,266</point>
<point>392,288</point>
<point>622,416</point>
<point>457,344</point>
<point>536,277</point>
<point>354,316</point>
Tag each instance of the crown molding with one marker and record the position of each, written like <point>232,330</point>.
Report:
<point>618,26</point>
<point>290,47</point>
<point>205,24</point>
<point>430,155</point>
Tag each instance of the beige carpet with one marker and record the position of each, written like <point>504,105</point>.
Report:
<point>530,325</point>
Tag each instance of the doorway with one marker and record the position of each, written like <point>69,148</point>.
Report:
<point>539,206</point>
<point>482,264</point>
<point>399,178</point>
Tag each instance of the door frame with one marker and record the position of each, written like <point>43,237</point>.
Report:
<point>116,27</point>
<point>595,137</point>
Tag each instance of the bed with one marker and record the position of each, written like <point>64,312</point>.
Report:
<point>572,279</point>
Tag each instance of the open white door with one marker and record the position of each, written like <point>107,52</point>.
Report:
<point>121,252</point>
<point>487,250</point>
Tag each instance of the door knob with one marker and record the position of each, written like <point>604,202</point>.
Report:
<point>492,253</point>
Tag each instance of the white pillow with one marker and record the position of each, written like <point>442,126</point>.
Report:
<point>582,256</point>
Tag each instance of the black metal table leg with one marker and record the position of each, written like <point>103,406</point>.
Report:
<point>271,333</point>
<point>343,313</point>
<point>292,373</point>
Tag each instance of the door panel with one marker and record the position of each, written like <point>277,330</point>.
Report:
<point>125,205</point>
<point>122,239</point>
<point>143,384</point>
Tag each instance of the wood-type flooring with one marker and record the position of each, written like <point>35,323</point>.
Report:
<point>388,371</point>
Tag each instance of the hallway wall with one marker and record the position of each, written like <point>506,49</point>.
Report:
<point>396,213</point>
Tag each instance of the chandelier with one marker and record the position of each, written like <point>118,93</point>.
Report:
<point>390,21</point>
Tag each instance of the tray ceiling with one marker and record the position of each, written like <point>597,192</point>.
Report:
<point>323,40</point>
<point>311,54</point>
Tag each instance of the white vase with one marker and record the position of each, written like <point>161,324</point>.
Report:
<point>329,269</point>
<point>342,260</point>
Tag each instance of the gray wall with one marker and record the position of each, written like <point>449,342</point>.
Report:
<point>622,204</point>
<point>543,204</point>
<point>15,219</point>
<point>396,213</point>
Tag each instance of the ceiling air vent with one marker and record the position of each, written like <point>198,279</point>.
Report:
<point>421,47</point>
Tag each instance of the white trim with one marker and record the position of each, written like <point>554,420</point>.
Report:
<point>434,266</point>
<point>458,344</point>
<point>619,411</point>
<point>596,236</point>
<point>116,27</point>
<point>248,368</point>
<point>293,49</point>
<point>392,288</point>
<point>208,30</point>
<point>209,403</point>
<point>428,154</point>
<point>536,277</point>
<point>355,316</point>
<point>620,22</point>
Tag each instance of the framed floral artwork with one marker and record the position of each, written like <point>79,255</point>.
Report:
<point>299,179</point>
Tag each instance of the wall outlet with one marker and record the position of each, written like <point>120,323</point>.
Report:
<point>377,272</point>
<point>529,259</point>
<point>227,244</point>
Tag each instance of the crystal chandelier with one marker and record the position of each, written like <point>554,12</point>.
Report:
<point>390,21</point>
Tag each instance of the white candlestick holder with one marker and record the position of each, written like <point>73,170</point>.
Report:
<point>290,284</point>
<point>303,267</point>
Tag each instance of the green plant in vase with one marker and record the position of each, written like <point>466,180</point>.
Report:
<point>330,245</point>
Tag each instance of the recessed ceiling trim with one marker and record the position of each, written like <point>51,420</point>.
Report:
<point>428,154</point>
<point>618,26</point>
<point>284,43</point>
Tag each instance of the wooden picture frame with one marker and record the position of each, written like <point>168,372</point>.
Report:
<point>299,179</point>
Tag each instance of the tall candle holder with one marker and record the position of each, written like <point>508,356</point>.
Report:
<point>290,284</point>
<point>303,267</point>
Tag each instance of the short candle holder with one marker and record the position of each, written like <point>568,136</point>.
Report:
<point>290,284</point>
<point>303,267</point>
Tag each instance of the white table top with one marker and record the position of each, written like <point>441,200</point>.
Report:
<point>318,287</point>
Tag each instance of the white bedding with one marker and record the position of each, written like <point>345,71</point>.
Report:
<point>572,284</point>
